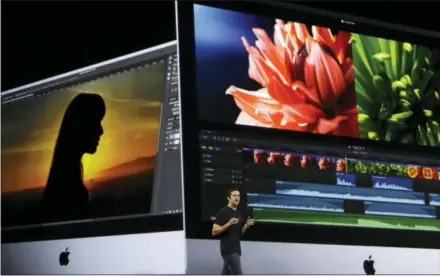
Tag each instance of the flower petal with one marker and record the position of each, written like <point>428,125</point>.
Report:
<point>323,35</point>
<point>326,126</point>
<point>279,36</point>
<point>301,113</point>
<point>257,104</point>
<point>348,111</point>
<point>284,94</point>
<point>347,127</point>
<point>288,57</point>
<point>347,108</point>
<point>291,36</point>
<point>309,94</point>
<point>259,71</point>
<point>252,50</point>
<point>342,42</point>
<point>348,70</point>
<point>353,125</point>
<point>322,72</point>
<point>301,31</point>
<point>292,125</point>
<point>273,59</point>
<point>244,119</point>
<point>347,101</point>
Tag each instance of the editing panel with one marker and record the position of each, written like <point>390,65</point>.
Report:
<point>165,201</point>
<point>311,183</point>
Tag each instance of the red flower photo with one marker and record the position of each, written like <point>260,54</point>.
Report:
<point>307,81</point>
<point>428,173</point>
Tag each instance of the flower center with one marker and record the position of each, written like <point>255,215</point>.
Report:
<point>329,112</point>
<point>300,59</point>
<point>298,64</point>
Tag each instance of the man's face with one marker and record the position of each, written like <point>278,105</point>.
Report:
<point>234,198</point>
<point>340,165</point>
<point>304,161</point>
<point>288,160</point>
<point>321,163</point>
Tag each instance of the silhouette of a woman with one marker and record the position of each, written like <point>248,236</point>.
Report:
<point>65,195</point>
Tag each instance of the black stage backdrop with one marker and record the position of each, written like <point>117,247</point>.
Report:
<point>44,38</point>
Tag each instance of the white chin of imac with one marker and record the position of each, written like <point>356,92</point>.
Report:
<point>152,253</point>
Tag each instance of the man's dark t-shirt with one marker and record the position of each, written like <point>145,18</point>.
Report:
<point>230,239</point>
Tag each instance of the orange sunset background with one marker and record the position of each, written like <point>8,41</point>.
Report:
<point>126,153</point>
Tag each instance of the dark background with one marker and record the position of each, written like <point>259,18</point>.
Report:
<point>45,38</point>
<point>225,62</point>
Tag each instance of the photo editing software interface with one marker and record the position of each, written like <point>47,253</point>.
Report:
<point>94,152</point>
<point>307,182</point>
<point>323,125</point>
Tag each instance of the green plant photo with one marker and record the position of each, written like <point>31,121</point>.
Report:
<point>397,91</point>
<point>377,169</point>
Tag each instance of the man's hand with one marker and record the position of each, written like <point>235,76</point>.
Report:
<point>250,222</point>
<point>233,221</point>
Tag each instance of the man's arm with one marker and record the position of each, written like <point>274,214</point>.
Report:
<point>221,224</point>
<point>244,229</point>
<point>217,230</point>
<point>246,226</point>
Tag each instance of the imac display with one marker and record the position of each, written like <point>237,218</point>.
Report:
<point>328,126</point>
<point>94,152</point>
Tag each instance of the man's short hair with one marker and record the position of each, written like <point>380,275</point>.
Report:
<point>230,191</point>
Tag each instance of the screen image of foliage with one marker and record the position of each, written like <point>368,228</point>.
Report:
<point>378,169</point>
<point>397,91</point>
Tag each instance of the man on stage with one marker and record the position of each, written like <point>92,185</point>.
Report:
<point>229,225</point>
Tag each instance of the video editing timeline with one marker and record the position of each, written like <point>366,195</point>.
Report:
<point>309,183</point>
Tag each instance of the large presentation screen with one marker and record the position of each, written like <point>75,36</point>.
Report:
<point>94,152</point>
<point>329,127</point>
<point>314,78</point>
